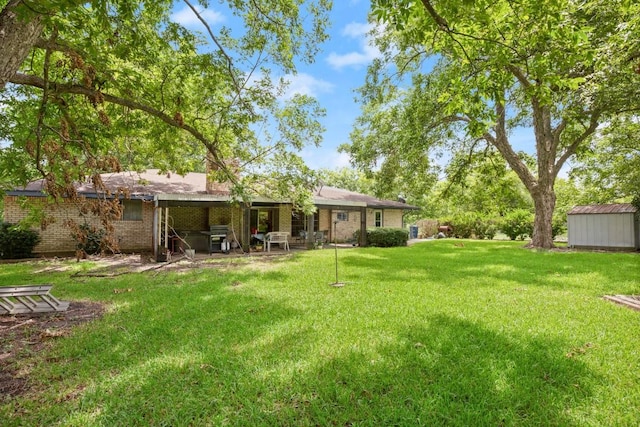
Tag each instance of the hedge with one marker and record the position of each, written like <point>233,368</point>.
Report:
<point>16,242</point>
<point>385,237</point>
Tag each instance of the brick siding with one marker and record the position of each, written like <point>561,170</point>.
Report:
<point>344,229</point>
<point>284,218</point>
<point>391,218</point>
<point>56,238</point>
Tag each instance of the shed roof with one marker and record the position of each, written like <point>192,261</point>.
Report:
<point>603,209</point>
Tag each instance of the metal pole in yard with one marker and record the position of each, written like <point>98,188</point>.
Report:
<point>335,245</point>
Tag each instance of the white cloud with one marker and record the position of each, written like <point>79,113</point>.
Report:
<point>324,158</point>
<point>342,160</point>
<point>356,29</point>
<point>187,18</point>
<point>306,84</point>
<point>361,57</point>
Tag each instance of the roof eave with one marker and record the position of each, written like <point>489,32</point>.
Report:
<point>88,195</point>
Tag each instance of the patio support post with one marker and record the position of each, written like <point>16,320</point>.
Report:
<point>246,228</point>
<point>166,228</point>
<point>363,227</point>
<point>157,219</point>
<point>311,236</point>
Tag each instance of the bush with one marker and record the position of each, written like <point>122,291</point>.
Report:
<point>462,225</point>
<point>518,224</point>
<point>16,242</point>
<point>485,228</point>
<point>385,237</point>
<point>469,224</point>
<point>558,225</point>
<point>427,228</point>
<point>88,238</point>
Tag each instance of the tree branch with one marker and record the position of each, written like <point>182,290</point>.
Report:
<point>501,142</point>
<point>571,149</point>
<point>218,44</point>
<point>517,72</point>
<point>212,148</point>
<point>444,26</point>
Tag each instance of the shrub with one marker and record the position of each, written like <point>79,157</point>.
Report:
<point>385,237</point>
<point>518,224</point>
<point>485,227</point>
<point>88,238</point>
<point>427,228</point>
<point>558,225</point>
<point>463,224</point>
<point>471,224</point>
<point>16,242</point>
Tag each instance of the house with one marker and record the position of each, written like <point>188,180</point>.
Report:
<point>613,226</point>
<point>162,206</point>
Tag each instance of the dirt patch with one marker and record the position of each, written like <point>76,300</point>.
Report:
<point>24,335</point>
<point>119,264</point>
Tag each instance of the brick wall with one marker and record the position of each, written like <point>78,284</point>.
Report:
<point>344,229</point>
<point>137,236</point>
<point>226,215</point>
<point>200,219</point>
<point>390,218</point>
<point>188,219</point>
<point>284,218</point>
<point>324,220</point>
<point>56,238</point>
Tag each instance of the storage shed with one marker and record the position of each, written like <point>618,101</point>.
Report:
<point>613,226</point>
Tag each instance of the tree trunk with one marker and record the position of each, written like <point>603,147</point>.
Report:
<point>18,34</point>
<point>544,202</point>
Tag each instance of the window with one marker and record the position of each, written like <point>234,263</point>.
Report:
<point>131,210</point>
<point>342,216</point>
<point>377,218</point>
<point>299,222</point>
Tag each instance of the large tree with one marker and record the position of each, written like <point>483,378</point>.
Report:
<point>462,76</point>
<point>90,87</point>
<point>609,170</point>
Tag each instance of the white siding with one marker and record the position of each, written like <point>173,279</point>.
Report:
<point>616,230</point>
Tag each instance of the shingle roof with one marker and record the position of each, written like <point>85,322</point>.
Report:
<point>339,194</point>
<point>142,183</point>
<point>152,183</point>
<point>603,209</point>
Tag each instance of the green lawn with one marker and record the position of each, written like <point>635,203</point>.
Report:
<point>433,334</point>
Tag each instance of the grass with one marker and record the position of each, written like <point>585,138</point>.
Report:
<point>433,334</point>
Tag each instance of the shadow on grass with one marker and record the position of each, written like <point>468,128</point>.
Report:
<point>232,360</point>
<point>451,372</point>
<point>198,349</point>
<point>173,342</point>
<point>482,263</point>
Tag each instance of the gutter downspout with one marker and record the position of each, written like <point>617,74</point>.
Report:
<point>154,239</point>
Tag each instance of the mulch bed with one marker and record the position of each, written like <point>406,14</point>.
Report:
<point>24,335</point>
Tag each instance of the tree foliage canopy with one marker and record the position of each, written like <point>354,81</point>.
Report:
<point>459,77</point>
<point>609,169</point>
<point>111,84</point>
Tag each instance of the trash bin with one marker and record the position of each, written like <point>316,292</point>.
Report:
<point>413,231</point>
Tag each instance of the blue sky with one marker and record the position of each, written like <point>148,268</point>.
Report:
<point>338,70</point>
